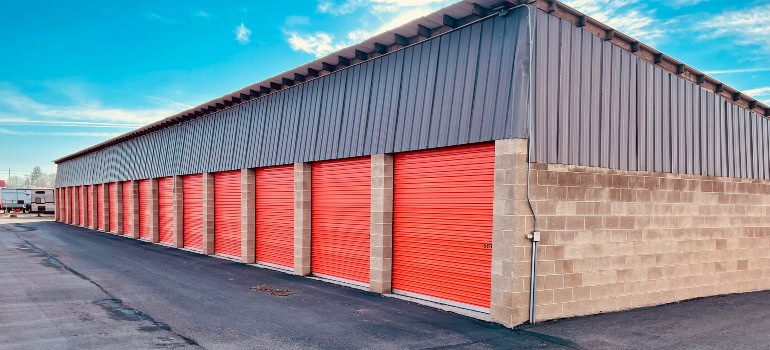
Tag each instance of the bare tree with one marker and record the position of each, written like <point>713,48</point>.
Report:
<point>36,177</point>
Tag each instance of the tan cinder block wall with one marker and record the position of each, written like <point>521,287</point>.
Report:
<point>381,225</point>
<point>119,225</point>
<point>105,198</point>
<point>302,217</point>
<point>56,205</point>
<point>510,221</point>
<point>208,213</point>
<point>178,212</point>
<point>134,209</point>
<point>248,215</point>
<point>84,201</point>
<point>94,207</point>
<point>614,240</point>
<point>75,207</point>
<point>154,210</point>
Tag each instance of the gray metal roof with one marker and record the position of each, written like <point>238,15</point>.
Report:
<point>418,30</point>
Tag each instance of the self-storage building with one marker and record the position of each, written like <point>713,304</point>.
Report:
<point>449,160</point>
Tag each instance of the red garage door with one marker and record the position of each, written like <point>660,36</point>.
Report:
<point>127,206</point>
<point>340,218</point>
<point>90,202</point>
<point>144,209</point>
<point>275,215</point>
<point>100,206</point>
<point>75,205</point>
<point>227,213</point>
<point>166,210</point>
<point>192,199</point>
<point>113,193</point>
<point>442,224</point>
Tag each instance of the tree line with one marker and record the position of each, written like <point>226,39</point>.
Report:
<point>36,178</point>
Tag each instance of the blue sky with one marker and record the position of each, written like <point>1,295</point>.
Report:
<point>73,74</point>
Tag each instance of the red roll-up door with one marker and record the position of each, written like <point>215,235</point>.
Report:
<point>192,203</point>
<point>166,210</point>
<point>90,204</point>
<point>442,223</point>
<point>275,215</point>
<point>75,204</point>
<point>125,189</point>
<point>227,213</point>
<point>341,209</point>
<point>145,196</point>
<point>100,206</point>
<point>113,193</point>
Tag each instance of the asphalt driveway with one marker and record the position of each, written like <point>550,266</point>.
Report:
<point>68,287</point>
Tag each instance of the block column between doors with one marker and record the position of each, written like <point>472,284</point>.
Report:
<point>208,213</point>
<point>248,215</point>
<point>381,227</point>
<point>154,224</point>
<point>119,226</point>
<point>510,218</point>
<point>76,206</point>
<point>94,208</point>
<point>105,198</point>
<point>178,239</point>
<point>302,217</point>
<point>134,209</point>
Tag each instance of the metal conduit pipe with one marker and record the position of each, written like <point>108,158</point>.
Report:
<point>535,235</point>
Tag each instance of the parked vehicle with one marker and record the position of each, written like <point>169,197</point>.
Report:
<point>35,200</point>
<point>42,200</point>
<point>16,199</point>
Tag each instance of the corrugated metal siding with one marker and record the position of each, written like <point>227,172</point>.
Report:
<point>341,202</point>
<point>227,213</point>
<point>192,202</point>
<point>442,223</point>
<point>275,215</point>
<point>166,210</point>
<point>145,195</point>
<point>465,86</point>
<point>127,206</point>
<point>599,105</point>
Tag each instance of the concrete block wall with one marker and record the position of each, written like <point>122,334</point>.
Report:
<point>302,217</point>
<point>381,225</point>
<point>614,240</point>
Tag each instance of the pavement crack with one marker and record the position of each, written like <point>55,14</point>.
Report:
<point>113,305</point>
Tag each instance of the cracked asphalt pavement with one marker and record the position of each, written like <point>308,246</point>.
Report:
<point>64,287</point>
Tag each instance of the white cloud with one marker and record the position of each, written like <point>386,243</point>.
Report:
<point>682,3</point>
<point>202,13</point>
<point>23,121</point>
<point>747,27</point>
<point>631,17</point>
<point>319,44</point>
<point>57,133</point>
<point>758,92</point>
<point>242,34</point>
<point>386,14</point>
<point>738,71</point>
<point>15,105</point>
<point>170,101</point>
